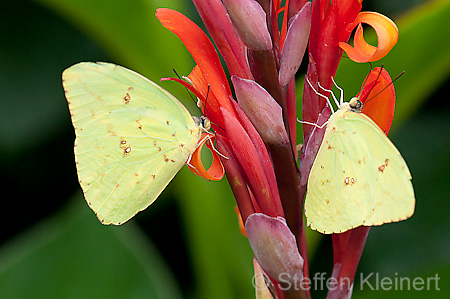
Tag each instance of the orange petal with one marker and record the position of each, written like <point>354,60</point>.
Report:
<point>378,97</point>
<point>200,84</point>
<point>215,171</point>
<point>198,80</point>
<point>387,34</point>
<point>241,223</point>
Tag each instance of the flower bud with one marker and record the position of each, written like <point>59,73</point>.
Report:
<point>262,109</point>
<point>274,247</point>
<point>295,44</point>
<point>249,20</point>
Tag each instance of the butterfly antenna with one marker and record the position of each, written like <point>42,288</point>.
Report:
<point>176,74</point>
<point>213,123</point>
<point>186,78</point>
<point>392,82</point>
<point>207,94</point>
<point>206,99</point>
<point>365,80</point>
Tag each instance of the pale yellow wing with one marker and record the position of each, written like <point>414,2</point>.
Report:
<point>358,177</point>
<point>132,137</point>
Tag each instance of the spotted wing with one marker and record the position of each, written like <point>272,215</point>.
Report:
<point>132,137</point>
<point>358,178</point>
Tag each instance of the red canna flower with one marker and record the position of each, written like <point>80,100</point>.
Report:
<point>255,130</point>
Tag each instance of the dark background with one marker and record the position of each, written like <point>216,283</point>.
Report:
<point>48,233</point>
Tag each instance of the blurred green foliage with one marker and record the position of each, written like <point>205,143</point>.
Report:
<point>187,244</point>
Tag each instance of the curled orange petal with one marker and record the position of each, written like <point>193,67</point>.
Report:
<point>387,34</point>
<point>216,171</point>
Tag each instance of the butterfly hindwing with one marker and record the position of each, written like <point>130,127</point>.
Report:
<point>394,191</point>
<point>358,177</point>
<point>132,137</point>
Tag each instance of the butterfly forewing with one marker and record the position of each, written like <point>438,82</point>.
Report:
<point>132,137</point>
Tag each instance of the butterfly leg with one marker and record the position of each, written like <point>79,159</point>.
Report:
<point>341,99</point>
<point>313,124</point>
<point>331,92</point>
<point>208,138</point>
<point>214,148</point>
<point>188,163</point>
<point>319,94</point>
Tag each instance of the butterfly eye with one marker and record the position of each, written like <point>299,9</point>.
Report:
<point>356,104</point>
<point>206,123</point>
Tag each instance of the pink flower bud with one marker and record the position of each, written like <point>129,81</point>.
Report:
<point>249,20</point>
<point>262,109</point>
<point>295,44</point>
<point>274,247</point>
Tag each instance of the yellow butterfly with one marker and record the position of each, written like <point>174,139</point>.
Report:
<point>358,177</point>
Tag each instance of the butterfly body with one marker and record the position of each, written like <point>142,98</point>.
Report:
<point>358,177</point>
<point>132,137</point>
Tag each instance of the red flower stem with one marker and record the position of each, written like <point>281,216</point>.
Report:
<point>291,105</point>
<point>347,248</point>
<point>295,293</point>
<point>288,182</point>
<point>272,24</point>
<point>264,70</point>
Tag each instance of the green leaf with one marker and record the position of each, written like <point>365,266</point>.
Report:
<point>222,256</point>
<point>130,32</point>
<point>72,255</point>
<point>417,247</point>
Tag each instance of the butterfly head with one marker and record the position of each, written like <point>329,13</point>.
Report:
<point>203,122</point>
<point>355,104</point>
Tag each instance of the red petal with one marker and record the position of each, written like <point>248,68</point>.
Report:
<point>219,26</point>
<point>378,97</point>
<point>198,81</point>
<point>237,179</point>
<point>348,11</point>
<point>249,158</point>
<point>199,87</point>
<point>204,54</point>
<point>197,92</point>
